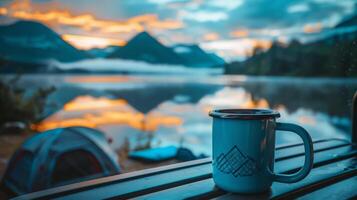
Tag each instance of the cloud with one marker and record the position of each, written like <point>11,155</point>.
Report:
<point>312,28</point>
<point>69,22</point>
<point>166,1</point>
<point>281,13</point>
<point>203,16</point>
<point>227,4</point>
<point>239,33</point>
<point>118,65</point>
<point>236,48</point>
<point>89,22</point>
<point>211,36</point>
<point>3,11</point>
<point>298,8</point>
<point>88,42</point>
<point>183,21</point>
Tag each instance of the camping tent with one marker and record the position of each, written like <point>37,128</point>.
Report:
<point>57,157</point>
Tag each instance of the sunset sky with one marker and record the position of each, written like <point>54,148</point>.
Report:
<point>228,27</point>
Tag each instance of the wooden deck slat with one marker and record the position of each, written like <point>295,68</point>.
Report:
<point>345,189</point>
<point>328,155</point>
<point>152,180</point>
<point>102,182</point>
<point>137,187</point>
<point>319,178</point>
<point>206,188</point>
<point>284,146</point>
<point>320,158</point>
<point>296,151</point>
<point>198,189</point>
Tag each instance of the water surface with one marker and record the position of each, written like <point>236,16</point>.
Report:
<point>172,110</point>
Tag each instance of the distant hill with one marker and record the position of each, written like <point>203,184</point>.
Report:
<point>217,59</point>
<point>351,21</point>
<point>102,52</point>
<point>194,56</point>
<point>332,56</point>
<point>28,41</point>
<point>144,47</point>
<point>28,44</point>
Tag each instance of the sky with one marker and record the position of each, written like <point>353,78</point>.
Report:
<point>230,28</point>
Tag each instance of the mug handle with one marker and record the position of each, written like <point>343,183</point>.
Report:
<point>309,154</point>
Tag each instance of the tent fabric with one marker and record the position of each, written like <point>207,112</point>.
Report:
<point>64,150</point>
<point>159,154</point>
<point>155,154</point>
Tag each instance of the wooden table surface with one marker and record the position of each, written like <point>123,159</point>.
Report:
<point>333,177</point>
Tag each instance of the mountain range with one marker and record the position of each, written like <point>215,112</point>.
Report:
<point>31,43</point>
<point>145,47</point>
<point>194,56</point>
<point>28,45</point>
<point>27,41</point>
<point>351,21</point>
<point>101,52</point>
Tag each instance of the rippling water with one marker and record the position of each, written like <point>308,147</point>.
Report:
<point>172,110</point>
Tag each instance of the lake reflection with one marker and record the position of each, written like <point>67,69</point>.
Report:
<point>174,110</point>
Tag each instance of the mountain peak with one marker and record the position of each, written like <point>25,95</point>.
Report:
<point>351,21</point>
<point>32,41</point>
<point>26,28</point>
<point>147,48</point>
<point>143,36</point>
<point>28,23</point>
<point>195,56</point>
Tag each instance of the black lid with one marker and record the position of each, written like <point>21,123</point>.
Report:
<point>249,114</point>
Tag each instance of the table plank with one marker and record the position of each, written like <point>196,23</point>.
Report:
<point>299,150</point>
<point>289,145</point>
<point>152,180</point>
<point>207,189</point>
<point>102,182</point>
<point>320,158</point>
<point>321,177</point>
<point>345,189</point>
<point>131,189</point>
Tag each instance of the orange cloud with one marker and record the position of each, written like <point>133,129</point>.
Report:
<point>106,32</point>
<point>264,44</point>
<point>239,33</point>
<point>167,24</point>
<point>312,28</point>
<point>241,47</point>
<point>87,22</point>
<point>3,11</point>
<point>174,37</point>
<point>88,42</point>
<point>211,36</point>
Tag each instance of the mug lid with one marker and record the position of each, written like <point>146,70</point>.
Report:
<point>249,114</point>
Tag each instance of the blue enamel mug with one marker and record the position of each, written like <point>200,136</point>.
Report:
<point>244,146</point>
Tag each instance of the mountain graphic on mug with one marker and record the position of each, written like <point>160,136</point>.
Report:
<point>236,163</point>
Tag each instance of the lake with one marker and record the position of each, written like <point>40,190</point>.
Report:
<point>172,110</point>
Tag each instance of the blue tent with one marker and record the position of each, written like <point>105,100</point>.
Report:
<point>58,157</point>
